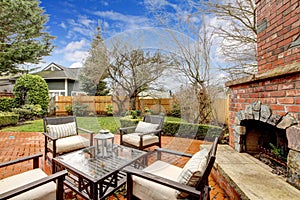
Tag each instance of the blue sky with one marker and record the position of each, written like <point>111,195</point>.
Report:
<point>74,22</point>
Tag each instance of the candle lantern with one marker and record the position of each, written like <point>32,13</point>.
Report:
<point>104,142</point>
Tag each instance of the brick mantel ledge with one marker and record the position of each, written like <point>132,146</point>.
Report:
<point>280,71</point>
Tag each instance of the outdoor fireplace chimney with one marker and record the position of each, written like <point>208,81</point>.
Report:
<point>272,96</point>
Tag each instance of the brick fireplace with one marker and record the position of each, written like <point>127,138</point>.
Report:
<point>270,100</point>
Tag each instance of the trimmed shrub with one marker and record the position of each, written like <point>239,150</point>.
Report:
<point>80,109</point>
<point>28,112</point>
<point>189,130</point>
<point>6,104</point>
<point>109,110</point>
<point>176,110</point>
<point>182,129</point>
<point>69,109</point>
<point>32,89</point>
<point>128,121</point>
<point>8,118</point>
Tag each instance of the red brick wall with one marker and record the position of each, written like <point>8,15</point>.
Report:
<point>282,94</point>
<point>278,25</point>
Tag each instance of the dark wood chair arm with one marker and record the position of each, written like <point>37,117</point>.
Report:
<point>49,136</point>
<point>125,129</point>
<point>85,130</point>
<point>160,180</point>
<point>35,159</point>
<point>178,153</point>
<point>89,132</point>
<point>60,176</point>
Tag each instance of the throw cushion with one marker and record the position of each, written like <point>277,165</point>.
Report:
<point>62,130</point>
<point>192,170</point>
<point>144,127</point>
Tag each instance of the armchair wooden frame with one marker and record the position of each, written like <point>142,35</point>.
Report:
<point>58,121</point>
<point>202,189</point>
<point>59,177</point>
<point>154,119</point>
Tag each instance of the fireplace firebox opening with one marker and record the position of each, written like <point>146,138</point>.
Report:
<point>263,138</point>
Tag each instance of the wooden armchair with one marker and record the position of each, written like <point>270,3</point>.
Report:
<point>62,136</point>
<point>32,184</point>
<point>146,134</point>
<point>165,181</point>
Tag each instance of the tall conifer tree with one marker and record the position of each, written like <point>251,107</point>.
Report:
<point>94,68</point>
<point>23,36</point>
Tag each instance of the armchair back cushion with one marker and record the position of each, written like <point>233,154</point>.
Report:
<point>145,127</point>
<point>62,130</point>
<point>191,172</point>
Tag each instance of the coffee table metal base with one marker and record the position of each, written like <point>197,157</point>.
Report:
<point>90,190</point>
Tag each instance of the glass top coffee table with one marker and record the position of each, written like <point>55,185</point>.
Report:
<point>94,176</point>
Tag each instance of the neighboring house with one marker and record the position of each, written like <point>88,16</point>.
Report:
<point>6,85</point>
<point>62,81</point>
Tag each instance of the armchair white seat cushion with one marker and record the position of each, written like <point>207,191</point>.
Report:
<point>45,192</point>
<point>150,190</point>
<point>134,139</point>
<point>142,127</point>
<point>188,175</point>
<point>70,143</point>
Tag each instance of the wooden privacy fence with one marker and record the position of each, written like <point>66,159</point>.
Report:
<point>97,105</point>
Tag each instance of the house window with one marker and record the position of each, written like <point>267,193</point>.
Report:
<point>54,93</point>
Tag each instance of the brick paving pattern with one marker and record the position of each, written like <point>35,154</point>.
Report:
<point>19,144</point>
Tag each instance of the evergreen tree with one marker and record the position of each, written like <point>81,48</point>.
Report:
<point>94,69</point>
<point>23,38</point>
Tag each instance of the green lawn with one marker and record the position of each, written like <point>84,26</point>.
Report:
<point>90,123</point>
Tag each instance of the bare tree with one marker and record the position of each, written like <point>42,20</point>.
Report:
<point>236,29</point>
<point>135,71</point>
<point>192,57</point>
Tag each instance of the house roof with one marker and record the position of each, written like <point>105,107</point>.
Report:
<point>55,71</point>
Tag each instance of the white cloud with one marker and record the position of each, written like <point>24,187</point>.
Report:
<point>63,25</point>
<point>158,4</point>
<point>124,21</point>
<point>76,56</point>
<point>75,51</point>
<point>121,17</point>
<point>105,3</point>
<point>81,27</point>
<point>85,21</point>
<point>105,25</point>
<point>72,46</point>
<point>76,65</point>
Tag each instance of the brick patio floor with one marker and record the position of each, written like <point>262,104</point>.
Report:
<point>19,144</point>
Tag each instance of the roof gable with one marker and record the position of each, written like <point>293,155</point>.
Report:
<point>55,71</point>
<point>53,67</point>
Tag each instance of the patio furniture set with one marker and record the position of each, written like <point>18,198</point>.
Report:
<point>95,171</point>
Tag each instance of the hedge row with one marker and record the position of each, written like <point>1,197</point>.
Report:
<point>182,129</point>
<point>8,118</point>
<point>6,104</point>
